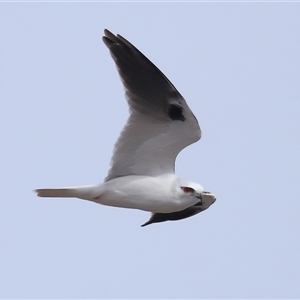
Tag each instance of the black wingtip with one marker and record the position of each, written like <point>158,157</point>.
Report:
<point>145,224</point>
<point>108,38</point>
<point>108,33</point>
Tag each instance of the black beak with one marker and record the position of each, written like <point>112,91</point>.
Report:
<point>199,196</point>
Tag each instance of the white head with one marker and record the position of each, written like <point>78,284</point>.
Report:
<point>195,190</point>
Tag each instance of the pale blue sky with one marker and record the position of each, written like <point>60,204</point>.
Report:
<point>62,108</point>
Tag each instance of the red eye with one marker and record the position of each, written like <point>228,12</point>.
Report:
<point>187,189</point>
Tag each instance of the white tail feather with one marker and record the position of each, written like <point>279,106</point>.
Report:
<point>83,192</point>
<point>61,192</point>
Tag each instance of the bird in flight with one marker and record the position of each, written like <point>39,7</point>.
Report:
<point>160,124</point>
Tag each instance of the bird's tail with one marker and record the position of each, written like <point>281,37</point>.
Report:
<point>84,192</point>
<point>61,192</point>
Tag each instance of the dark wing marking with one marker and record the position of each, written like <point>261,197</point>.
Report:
<point>148,90</point>
<point>175,216</point>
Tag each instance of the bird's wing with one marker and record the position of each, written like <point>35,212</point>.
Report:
<point>160,124</point>
<point>175,216</point>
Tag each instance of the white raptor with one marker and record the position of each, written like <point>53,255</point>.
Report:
<point>160,125</point>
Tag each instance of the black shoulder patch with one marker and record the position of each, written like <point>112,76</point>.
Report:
<point>175,112</point>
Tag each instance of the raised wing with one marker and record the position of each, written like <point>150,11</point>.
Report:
<point>160,124</point>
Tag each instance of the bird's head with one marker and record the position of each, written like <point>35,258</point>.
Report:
<point>192,189</point>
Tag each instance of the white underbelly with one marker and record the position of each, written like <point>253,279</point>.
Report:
<point>144,193</point>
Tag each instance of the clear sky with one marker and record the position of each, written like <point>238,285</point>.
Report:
<point>62,108</point>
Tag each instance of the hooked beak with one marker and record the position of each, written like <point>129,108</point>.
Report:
<point>210,194</point>
<point>199,196</point>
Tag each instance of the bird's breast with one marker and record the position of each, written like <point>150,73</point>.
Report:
<point>153,194</point>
